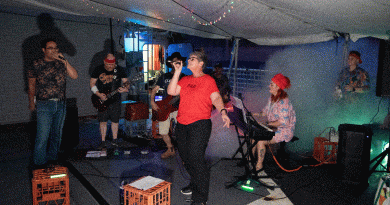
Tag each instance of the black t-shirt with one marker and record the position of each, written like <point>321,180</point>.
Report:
<point>108,81</point>
<point>164,80</point>
<point>222,84</point>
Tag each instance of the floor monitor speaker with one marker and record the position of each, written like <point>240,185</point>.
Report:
<point>353,156</point>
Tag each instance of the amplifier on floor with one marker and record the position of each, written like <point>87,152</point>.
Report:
<point>353,156</point>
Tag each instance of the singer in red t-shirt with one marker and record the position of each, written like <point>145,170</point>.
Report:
<point>198,93</point>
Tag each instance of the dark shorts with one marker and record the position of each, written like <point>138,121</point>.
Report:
<point>113,113</point>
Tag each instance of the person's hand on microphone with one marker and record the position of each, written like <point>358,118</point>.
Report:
<point>60,57</point>
<point>178,65</point>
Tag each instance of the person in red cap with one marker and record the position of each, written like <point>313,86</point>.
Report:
<point>280,114</point>
<point>105,79</point>
<point>353,79</point>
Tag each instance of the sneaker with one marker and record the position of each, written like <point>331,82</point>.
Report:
<point>262,174</point>
<point>169,153</point>
<point>103,145</point>
<point>186,190</point>
<point>103,153</point>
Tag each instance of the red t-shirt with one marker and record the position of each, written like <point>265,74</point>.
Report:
<point>195,101</point>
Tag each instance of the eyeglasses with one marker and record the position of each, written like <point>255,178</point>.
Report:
<point>192,58</point>
<point>51,48</point>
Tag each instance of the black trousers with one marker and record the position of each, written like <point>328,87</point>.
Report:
<point>192,141</point>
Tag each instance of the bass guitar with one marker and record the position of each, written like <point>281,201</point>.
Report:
<point>102,105</point>
<point>166,107</point>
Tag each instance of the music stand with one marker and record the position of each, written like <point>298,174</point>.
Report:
<point>248,159</point>
<point>236,118</point>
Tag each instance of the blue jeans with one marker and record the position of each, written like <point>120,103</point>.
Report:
<point>50,121</point>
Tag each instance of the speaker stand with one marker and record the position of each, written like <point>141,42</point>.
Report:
<point>381,156</point>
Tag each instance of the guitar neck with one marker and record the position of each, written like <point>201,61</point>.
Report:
<point>112,93</point>
<point>117,90</point>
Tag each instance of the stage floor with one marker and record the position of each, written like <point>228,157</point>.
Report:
<point>309,185</point>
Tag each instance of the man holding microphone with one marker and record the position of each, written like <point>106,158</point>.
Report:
<point>47,89</point>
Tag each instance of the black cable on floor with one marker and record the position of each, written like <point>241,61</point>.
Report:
<point>95,194</point>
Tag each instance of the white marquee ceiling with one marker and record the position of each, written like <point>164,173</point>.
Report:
<point>265,22</point>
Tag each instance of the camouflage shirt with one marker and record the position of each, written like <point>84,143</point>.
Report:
<point>50,79</point>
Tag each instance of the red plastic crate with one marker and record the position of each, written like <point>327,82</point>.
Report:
<point>47,190</point>
<point>157,195</point>
<point>325,150</point>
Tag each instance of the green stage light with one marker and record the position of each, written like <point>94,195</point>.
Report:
<point>57,176</point>
<point>384,161</point>
<point>247,188</point>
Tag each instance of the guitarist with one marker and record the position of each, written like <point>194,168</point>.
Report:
<point>163,83</point>
<point>104,79</point>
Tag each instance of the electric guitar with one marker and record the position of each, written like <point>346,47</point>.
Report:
<point>102,105</point>
<point>166,107</point>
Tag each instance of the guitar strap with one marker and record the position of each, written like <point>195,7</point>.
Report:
<point>114,78</point>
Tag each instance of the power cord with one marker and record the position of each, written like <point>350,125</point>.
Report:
<point>332,129</point>
<point>372,119</point>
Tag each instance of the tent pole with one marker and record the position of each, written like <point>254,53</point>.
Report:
<point>111,39</point>
<point>235,67</point>
<point>234,57</point>
<point>345,50</point>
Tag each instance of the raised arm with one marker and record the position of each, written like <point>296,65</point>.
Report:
<point>152,96</point>
<point>173,87</point>
<point>72,72</point>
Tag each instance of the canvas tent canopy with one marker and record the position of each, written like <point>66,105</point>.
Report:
<point>264,22</point>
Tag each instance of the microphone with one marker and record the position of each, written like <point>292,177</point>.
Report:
<point>240,96</point>
<point>61,57</point>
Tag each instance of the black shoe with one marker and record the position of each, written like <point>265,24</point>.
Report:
<point>186,190</point>
<point>115,143</point>
<point>103,145</point>
<point>37,167</point>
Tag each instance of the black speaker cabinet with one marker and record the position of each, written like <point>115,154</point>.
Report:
<point>383,76</point>
<point>70,131</point>
<point>353,156</point>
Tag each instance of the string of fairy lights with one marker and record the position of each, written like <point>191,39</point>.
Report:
<point>226,9</point>
<point>223,12</point>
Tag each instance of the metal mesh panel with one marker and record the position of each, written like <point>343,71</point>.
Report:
<point>246,79</point>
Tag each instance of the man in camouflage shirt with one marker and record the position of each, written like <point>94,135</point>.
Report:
<point>47,88</point>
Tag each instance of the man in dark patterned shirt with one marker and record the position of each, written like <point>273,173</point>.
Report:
<point>47,88</point>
